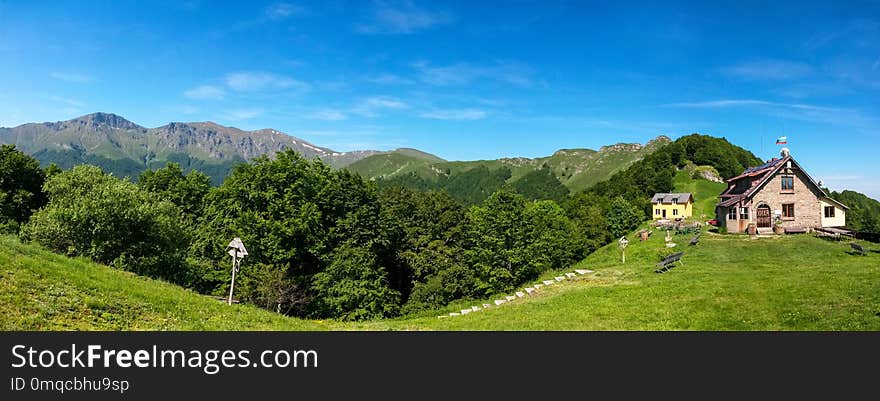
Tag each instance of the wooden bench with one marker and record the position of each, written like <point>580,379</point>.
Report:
<point>858,248</point>
<point>669,262</point>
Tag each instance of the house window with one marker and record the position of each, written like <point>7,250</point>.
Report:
<point>675,201</point>
<point>829,211</point>
<point>731,213</point>
<point>675,212</point>
<point>744,213</point>
<point>656,212</point>
<point>787,184</point>
<point>788,210</point>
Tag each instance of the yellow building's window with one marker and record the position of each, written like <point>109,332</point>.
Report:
<point>675,212</point>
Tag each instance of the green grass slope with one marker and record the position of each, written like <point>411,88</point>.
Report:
<point>577,169</point>
<point>705,194</point>
<point>389,164</point>
<point>725,283</point>
<point>40,290</point>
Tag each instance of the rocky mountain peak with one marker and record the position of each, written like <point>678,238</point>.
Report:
<point>104,119</point>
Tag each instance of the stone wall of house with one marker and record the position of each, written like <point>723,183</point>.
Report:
<point>737,225</point>
<point>806,200</point>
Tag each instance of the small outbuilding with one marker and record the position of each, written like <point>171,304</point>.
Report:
<point>672,205</point>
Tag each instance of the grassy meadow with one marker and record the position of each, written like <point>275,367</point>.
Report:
<point>726,282</point>
<point>40,290</point>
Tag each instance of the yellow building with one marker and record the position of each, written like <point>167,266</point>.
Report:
<point>672,206</point>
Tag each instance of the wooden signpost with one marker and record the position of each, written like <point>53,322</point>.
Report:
<point>237,250</point>
<point>623,242</point>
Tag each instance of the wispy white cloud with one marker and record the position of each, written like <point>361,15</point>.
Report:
<point>455,74</point>
<point>370,107</point>
<point>388,79</point>
<point>242,114</point>
<point>187,109</point>
<point>803,90</point>
<point>67,101</point>
<point>712,104</point>
<point>250,81</point>
<point>798,111</point>
<point>768,70</point>
<point>70,112</point>
<point>279,11</point>
<point>205,92</point>
<point>455,114</point>
<point>72,77</point>
<point>331,85</point>
<point>401,17</point>
<point>463,73</point>
<point>355,138</point>
<point>856,27</point>
<point>327,115</point>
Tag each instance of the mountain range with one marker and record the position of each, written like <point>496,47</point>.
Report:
<point>125,148</point>
<point>577,169</point>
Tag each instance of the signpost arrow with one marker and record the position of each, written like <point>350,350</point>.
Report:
<point>237,250</point>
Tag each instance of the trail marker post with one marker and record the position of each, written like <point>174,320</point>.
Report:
<point>237,250</point>
<point>623,242</point>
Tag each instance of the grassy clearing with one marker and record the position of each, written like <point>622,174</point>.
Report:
<point>40,290</point>
<point>725,283</point>
<point>705,194</point>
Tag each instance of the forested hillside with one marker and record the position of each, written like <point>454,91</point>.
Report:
<point>863,214</point>
<point>655,172</point>
<point>329,243</point>
<point>471,182</point>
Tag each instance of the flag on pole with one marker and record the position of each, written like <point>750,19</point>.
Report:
<point>782,140</point>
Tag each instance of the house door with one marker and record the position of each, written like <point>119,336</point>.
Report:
<point>763,216</point>
<point>664,213</point>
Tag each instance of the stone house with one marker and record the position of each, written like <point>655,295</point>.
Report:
<point>778,192</point>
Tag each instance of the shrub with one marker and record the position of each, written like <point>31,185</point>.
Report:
<point>110,221</point>
<point>354,287</point>
<point>21,182</point>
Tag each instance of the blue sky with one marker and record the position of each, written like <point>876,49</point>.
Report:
<point>466,79</point>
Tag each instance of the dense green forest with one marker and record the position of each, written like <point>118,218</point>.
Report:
<point>863,214</point>
<point>475,185</point>
<point>655,172</point>
<point>67,159</point>
<point>330,243</point>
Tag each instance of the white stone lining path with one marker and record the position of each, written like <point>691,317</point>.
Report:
<point>520,294</point>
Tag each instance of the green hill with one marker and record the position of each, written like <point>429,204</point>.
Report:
<point>726,282</point>
<point>393,163</point>
<point>40,290</point>
<point>705,194</point>
<point>577,169</point>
